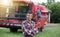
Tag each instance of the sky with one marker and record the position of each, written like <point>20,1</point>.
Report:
<point>40,1</point>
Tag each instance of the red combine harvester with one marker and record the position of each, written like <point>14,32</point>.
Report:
<point>14,23</point>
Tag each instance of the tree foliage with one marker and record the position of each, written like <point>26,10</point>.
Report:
<point>55,8</point>
<point>55,15</point>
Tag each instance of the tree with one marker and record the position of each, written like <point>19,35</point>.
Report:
<point>50,1</point>
<point>55,15</point>
<point>55,8</point>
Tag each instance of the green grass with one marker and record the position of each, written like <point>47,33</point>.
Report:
<point>46,33</point>
<point>49,33</point>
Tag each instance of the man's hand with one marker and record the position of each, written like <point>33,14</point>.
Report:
<point>30,31</point>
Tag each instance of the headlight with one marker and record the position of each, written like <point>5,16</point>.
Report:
<point>11,24</point>
<point>4,23</point>
<point>17,24</point>
<point>7,24</point>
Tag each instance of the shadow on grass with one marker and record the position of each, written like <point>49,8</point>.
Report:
<point>18,32</point>
<point>7,31</point>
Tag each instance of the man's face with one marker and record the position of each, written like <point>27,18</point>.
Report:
<point>29,16</point>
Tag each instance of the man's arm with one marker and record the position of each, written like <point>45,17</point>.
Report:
<point>35,30</point>
<point>25,29</point>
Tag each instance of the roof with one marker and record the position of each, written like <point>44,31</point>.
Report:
<point>25,1</point>
<point>43,8</point>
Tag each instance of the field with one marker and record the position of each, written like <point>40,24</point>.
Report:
<point>53,32</point>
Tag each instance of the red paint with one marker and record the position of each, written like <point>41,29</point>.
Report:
<point>39,22</point>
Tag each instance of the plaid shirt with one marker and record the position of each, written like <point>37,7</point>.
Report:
<point>29,28</point>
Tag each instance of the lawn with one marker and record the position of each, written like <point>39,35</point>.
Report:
<point>45,33</point>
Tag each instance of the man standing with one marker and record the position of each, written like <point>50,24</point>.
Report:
<point>38,13</point>
<point>28,26</point>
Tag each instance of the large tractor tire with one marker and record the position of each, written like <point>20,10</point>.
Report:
<point>13,30</point>
<point>41,29</point>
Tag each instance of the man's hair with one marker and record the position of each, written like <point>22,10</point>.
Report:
<point>29,12</point>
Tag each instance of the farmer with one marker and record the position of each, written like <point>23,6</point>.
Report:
<point>28,26</point>
<point>38,13</point>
